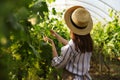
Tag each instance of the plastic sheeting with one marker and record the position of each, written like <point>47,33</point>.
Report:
<point>99,9</point>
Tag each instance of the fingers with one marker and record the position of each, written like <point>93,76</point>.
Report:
<point>45,39</point>
<point>53,32</point>
<point>48,39</point>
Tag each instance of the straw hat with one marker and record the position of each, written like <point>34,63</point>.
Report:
<point>78,20</point>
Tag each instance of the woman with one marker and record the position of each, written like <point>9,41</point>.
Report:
<point>76,53</point>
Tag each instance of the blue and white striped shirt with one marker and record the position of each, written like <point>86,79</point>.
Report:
<point>75,62</point>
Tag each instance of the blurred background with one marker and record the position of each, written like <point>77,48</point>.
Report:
<point>25,56</point>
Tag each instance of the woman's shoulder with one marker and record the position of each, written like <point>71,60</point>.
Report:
<point>70,44</point>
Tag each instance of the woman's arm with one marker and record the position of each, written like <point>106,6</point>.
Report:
<point>54,50</point>
<point>60,39</point>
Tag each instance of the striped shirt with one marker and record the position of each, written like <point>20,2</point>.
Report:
<point>75,62</point>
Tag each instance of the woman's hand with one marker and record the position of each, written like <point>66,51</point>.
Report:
<point>48,39</point>
<point>53,33</point>
<point>60,39</point>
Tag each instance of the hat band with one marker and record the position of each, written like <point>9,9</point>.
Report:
<point>76,25</point>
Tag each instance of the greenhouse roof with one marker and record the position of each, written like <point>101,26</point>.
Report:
<point>99,9</point>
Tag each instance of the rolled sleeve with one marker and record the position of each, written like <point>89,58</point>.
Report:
<point>63,59</point>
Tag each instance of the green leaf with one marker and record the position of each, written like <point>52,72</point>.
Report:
<point>39,8</point>
<point>50,1</point>
<point>54,11</point>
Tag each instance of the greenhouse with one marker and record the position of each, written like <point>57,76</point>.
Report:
<point>37,37</point>
<point>99,9</point>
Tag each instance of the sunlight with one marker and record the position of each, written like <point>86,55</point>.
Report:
<point>99,9</point>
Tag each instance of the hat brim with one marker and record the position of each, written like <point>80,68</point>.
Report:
<point>67,18</point>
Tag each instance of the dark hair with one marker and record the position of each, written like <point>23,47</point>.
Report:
<point>84,43</point>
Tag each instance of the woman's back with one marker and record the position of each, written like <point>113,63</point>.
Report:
<point>75,62</point>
